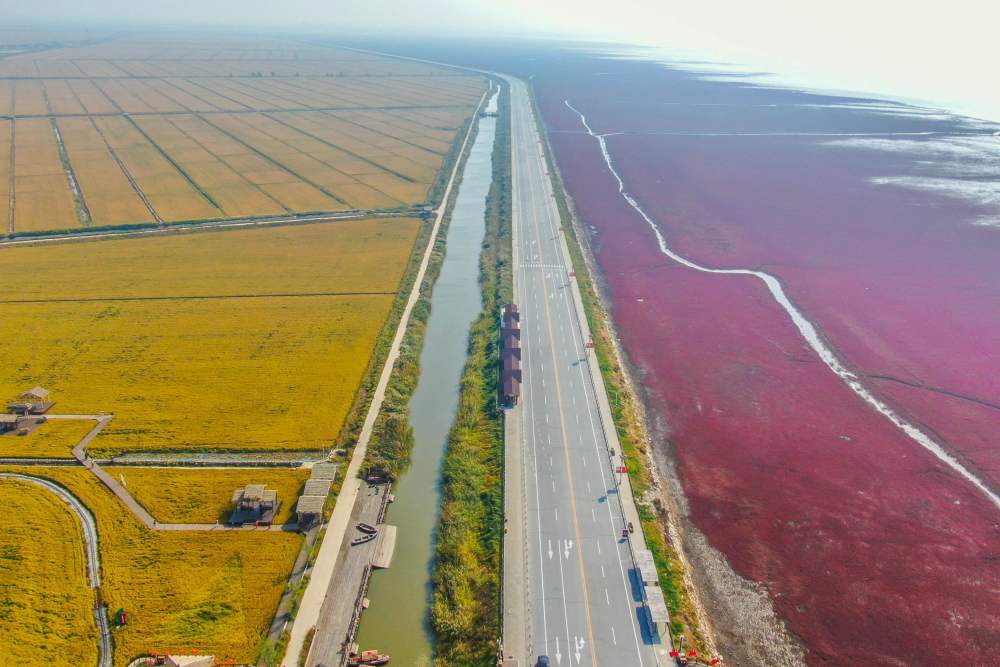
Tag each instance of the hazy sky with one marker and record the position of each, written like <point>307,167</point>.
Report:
<point>945,52</point>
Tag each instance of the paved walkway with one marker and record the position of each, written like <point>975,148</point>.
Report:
<point>116,487</point>
<point>319,583</point>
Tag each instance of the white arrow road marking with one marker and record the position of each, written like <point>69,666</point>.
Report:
<point>558,654</point>
<point>567,545</point>
<point>578,644</point>
<point>550,549</point>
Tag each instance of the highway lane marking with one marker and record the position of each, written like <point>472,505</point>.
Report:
<point>565,610</point>
<point>538,501</point>
<point>577,345</point>
<point>569,473</point>
<point>578,331</point>
<point>607,597</point>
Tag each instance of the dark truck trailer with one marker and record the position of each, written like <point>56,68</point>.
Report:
<point>510,355</point>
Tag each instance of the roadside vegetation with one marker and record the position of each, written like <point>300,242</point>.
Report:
<point>630,425</point>
<point>46,604</point>
<point>211,592</point>
<point>465,612</point>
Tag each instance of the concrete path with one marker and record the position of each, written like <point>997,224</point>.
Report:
<point>338,619</point>
<point>92,553</point>
<point>323,571</point>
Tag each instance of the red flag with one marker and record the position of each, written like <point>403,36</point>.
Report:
<point>692,653</point>
<point>674,654</point>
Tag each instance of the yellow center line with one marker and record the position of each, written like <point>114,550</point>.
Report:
<point>562,426</point>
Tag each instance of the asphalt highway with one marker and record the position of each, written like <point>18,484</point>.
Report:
<point>580,605</point>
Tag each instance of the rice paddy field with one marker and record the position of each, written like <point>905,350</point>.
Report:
<point>249,338</point>
<point>147,129</point>
<point>46,605</point>
<point>53,440</point>
<point>246,340</point>
<point>211,592</point>
<point>204,495</point>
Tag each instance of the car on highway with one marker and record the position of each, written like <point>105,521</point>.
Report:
<point>543,661</point>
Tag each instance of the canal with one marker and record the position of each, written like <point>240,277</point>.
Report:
<point>397,621</point>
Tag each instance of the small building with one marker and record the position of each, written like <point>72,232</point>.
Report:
<point>254,504</point>
<point>190,660</point>
<point>8,422</point>
<point>656,610</point>
<point>324,471</point>
<point>646,567</point>
<point>309,511</point>
<point>317,487</point>
<point>35,401</point>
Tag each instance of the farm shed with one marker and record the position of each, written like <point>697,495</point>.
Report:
<point>317,487</point>
<point>35,401</point>
<point>309,510</point>
<point>254,504</point>
<point>324,471</point>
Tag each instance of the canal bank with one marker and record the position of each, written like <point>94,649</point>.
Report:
<point>397,621</point>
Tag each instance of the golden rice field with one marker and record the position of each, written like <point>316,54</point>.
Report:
<point>183,128</point>
<point>204,495</point>
<point>214,592</point>
<point>54,439</point>
<point>245,340</point>
<point>46,604</point>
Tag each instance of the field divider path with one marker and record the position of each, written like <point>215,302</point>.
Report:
<point>80,457</point>
<point>91,552</point>
<point>128,174</point>
<point>10,180</point>
<point>323,569</point>
<point>216,223</point>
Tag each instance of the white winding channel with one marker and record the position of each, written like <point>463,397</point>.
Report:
<point>90,547</point>
<point>805,327</point>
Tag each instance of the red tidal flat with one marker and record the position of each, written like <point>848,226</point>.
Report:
<point>873,550</point>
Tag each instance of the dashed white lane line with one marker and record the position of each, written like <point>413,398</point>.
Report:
<point>607,597</point>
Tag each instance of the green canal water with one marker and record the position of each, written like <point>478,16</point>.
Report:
<point>397,621</point>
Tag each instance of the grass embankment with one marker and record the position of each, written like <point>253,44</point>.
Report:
<point>466,606</point>
<point>629,423</point>
<point>46,604</point>
<point>204,495</point>
<point>213,592</point>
